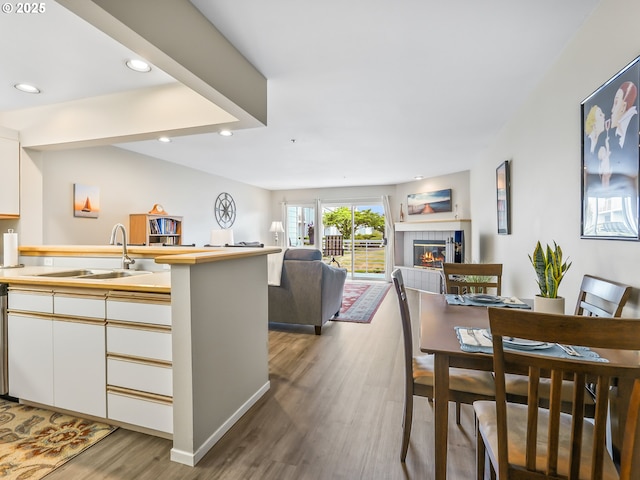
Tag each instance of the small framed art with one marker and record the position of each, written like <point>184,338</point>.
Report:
<point>86,201</point>
<point>503,193</point>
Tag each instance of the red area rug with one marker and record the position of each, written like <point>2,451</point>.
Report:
<point>360,301</point>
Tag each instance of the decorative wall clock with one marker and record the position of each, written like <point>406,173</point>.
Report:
<point>225,210</point>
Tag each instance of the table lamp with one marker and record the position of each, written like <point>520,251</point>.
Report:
<point>276,227</point>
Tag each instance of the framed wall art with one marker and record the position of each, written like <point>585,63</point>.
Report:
<point>86,201</point>
<point>503,193</point>
<point>430,202</point>
<point>610,159</point>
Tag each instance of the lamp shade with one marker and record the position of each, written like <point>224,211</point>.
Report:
<point>220,238</point>
<point>276,227</point>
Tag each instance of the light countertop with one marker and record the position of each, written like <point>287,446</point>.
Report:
<point>159,282</point>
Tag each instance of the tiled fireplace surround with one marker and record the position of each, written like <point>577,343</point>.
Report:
<point>427,279</point>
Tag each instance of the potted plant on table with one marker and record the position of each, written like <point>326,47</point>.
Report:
<point>550,270</point>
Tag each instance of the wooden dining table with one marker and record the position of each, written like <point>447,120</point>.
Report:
<point>438,320</point>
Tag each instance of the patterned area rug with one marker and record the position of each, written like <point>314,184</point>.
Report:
<point>34,442</point>
<point>360,301</point>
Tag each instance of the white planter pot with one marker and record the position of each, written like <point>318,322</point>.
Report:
<point>548,305</point>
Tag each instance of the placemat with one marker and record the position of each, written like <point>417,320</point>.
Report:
<point>475,340</point>
<point>468,301</point>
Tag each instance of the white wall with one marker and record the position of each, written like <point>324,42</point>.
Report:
<point>544,143</point>
<point>327,195</point>
<point>460,196</point>
<point>133,183</point>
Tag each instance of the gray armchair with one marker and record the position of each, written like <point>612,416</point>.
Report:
<point>310,292</point>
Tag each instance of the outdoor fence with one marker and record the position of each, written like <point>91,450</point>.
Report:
<point>368,256</point>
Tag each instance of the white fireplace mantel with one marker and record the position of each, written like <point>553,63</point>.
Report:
<point>433,225</point>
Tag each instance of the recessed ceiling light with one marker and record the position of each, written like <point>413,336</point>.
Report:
<point>138,65</point>
<point>25,87</point>
<point>226,133</point>
<point>418,177</point>
<point>164,139</point>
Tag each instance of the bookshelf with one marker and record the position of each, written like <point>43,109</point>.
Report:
<point>146,229</point>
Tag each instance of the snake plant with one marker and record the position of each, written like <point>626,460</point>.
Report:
<point>549,268</point>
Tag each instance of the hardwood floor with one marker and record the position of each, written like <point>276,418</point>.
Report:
<point>334,411</point>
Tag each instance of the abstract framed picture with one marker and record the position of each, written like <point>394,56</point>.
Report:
<point>503,193</point>
<point>430,202</point>
<point>610,158</point>
<point>86,201</point>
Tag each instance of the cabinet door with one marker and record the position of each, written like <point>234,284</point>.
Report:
<point>31,358</point>
<point>79,367</point>
<point>10,168</point>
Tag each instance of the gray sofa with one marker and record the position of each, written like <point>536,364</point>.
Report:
<point>310,291</point>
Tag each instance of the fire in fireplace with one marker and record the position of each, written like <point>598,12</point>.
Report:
<point>429,253</point>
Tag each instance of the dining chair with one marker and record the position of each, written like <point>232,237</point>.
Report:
<point>598,297</point>
<point>526,441</point>
<point>463,278</point>
<point>465,385</point>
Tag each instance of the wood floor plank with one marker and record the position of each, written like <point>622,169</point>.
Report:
<point>334,411</point>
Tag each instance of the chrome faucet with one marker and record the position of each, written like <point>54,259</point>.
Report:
<point>126,259</point>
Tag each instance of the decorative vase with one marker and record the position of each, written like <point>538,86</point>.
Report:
<point>548,305</point>
<point>401,214</point>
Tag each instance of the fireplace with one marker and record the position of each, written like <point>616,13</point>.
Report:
<point>433,253</point>
<point>429,253</point>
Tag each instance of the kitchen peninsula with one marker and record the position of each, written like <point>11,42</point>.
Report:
<point>212,304</point>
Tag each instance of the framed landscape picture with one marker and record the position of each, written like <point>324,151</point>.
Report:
<point>610,159</point>
<point>430,202</point>
<point>503,192</point>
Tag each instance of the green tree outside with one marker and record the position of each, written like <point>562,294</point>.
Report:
<point>341,219</point>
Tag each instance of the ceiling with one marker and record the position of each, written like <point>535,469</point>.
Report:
<point>364,92</point>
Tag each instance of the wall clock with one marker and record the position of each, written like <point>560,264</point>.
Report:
<point>225,210</point>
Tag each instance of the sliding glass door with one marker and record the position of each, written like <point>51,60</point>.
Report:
<point>353,237</point>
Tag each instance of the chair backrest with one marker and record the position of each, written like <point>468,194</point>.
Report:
<point>308,254</point>
<point>601,298</point>
<point>594,332</point>
<point>461,278</point>
<point>407,335</point>
<point>333,246</point>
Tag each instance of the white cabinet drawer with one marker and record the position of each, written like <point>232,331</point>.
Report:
<point>31,301</point>
<point>139,312</point>
<point>140,411</point>
<point>140,376</point>
<point>139,343</point>
<point>92,307</point>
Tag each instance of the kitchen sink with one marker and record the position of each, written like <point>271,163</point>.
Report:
<point>93,274</point>
<point>114,274</point>
<point>68,273</point>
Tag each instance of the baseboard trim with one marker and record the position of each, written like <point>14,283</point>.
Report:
<point>191,459</point>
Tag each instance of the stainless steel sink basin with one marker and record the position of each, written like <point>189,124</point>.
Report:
<point>68,273</point>
<point>94,274</point>
<point>114,274</point>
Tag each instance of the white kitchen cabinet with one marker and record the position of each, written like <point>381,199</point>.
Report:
<point>139,343</point>
<point>57,348</point>
<point>79,367</point>
<point>31,300</point>
<point>141,411</point>
<point>139,354</point>
<point>79,362</point>
<point>31,357</point>
<point>10,168</point>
